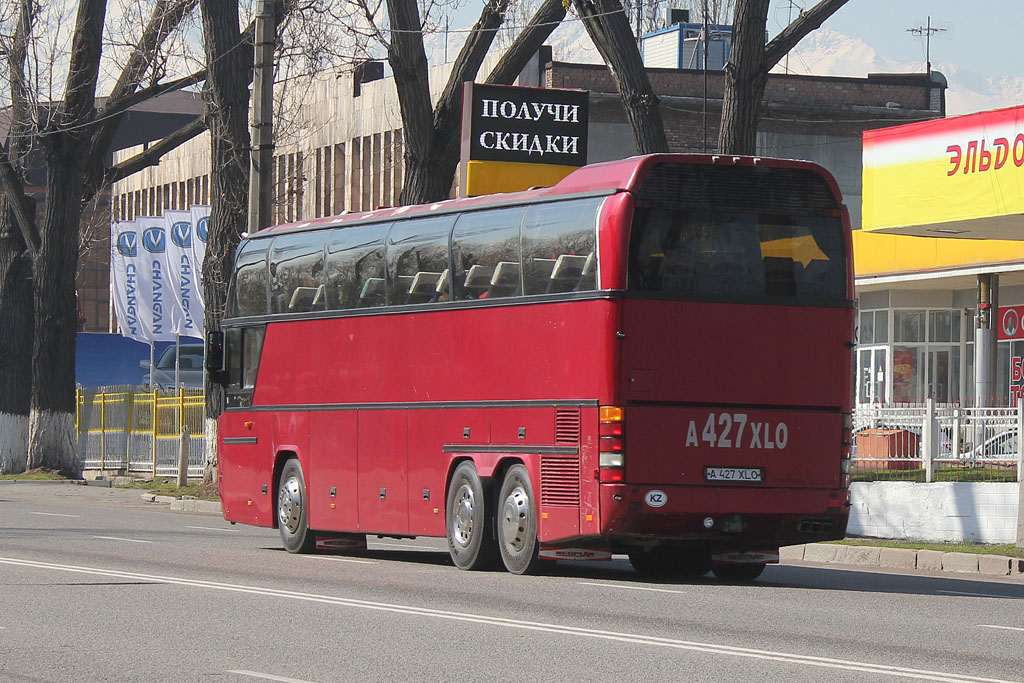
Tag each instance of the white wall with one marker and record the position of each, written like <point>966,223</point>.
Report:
<point>983,512</point>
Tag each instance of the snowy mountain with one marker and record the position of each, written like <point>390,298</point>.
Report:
<point>829,53</point>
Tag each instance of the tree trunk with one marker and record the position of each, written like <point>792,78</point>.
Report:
<point>745,78</point>
<point>230,69</point>
<point>15,345</point>
<point>749,62</point>
<point>608,27</point>
<point>53,442</point>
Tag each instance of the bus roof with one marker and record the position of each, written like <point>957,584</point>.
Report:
<point>593,179</point>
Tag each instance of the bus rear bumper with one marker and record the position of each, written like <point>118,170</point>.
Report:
<point>722,516</point>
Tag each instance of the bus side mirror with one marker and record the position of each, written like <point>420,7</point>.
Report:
<point>214,352</point>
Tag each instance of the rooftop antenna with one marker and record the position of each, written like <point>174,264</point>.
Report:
<point>926,31</point>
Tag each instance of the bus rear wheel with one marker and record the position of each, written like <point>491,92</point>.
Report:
<point>470,521</point>
<point>737,572</point>
<point>293,510</point>
<point>517,523</point>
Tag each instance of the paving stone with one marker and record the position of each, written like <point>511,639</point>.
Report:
<point>822,552</point>
<point>930,560</point>
<point>960,562</point>
<point>900,558</point>
<point>994,565</point>
<point>863,555</point>
<point>791,553</point>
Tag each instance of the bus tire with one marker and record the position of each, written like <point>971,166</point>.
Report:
<point>517,523</point>
<point>663,563</point>
<point>293,510</point>
<point>737,572</point>
<point>469,521</point>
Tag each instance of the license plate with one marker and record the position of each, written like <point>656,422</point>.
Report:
<point>750,475</point>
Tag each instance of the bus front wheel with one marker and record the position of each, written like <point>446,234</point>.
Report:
<point>517,523</point>
<point>293,510</point>
<point>470,521</point>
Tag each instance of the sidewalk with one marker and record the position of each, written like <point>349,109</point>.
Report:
<point>903,558</point>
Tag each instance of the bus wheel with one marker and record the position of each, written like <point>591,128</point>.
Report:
<point>517,523</point>
<point>737,572</point>
<point>470,521</point>
<point>293,511</point>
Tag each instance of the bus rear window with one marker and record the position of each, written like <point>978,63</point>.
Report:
<point>737,255</point>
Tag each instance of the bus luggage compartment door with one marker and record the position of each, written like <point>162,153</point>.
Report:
<point>669,445</point>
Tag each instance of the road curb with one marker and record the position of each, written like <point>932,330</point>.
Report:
<point>184,504</point>
<point>903,558</point>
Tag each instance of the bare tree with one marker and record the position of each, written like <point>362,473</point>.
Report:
<point>74,137</point>
<point>431,131</point>
<point>15,264</point>
<point>608,27</point>
<point>749,62</point>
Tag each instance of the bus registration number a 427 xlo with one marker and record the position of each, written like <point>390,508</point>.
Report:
<point>749,475</point>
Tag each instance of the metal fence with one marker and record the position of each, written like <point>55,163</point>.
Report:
<point>937,442</point>
<point>134,430</point>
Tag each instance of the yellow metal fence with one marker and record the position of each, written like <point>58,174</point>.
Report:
<point>141,431</point>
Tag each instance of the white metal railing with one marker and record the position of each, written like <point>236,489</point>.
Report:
<point>929,441</point>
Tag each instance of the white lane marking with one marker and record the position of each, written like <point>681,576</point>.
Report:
<point>634,588</point>
<point>52,514</point>
<point>1007,628</point>
<point>339,559</point>
<point>978,595</point>
<point>266,677</point>
<point>211,528</point>
<point>624,637</point>
<point>115,538</point>
<point>405,545</point>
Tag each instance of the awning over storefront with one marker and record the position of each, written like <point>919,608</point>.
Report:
<point>956,177</point>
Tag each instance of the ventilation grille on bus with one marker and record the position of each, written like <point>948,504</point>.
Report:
<point>559,481</point>
<point>759,189</point>
<point>567,426</point>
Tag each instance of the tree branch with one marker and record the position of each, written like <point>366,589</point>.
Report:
<point>543,22</point>
<point>808,21</point>
<point>16,198</point>
<point>151,156</point>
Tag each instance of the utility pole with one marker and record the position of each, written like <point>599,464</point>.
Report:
<point>927,31</point>
<point>262,117</point>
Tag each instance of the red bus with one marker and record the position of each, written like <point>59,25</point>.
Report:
<point>651,358</point>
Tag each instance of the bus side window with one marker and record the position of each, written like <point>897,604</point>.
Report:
<point>558,239</point>
<point>233,357</point>
<point>416,248</point>
<point>481,242</point>
<point>249,291</point>
<point>297,273</point>
<point>355,267</point>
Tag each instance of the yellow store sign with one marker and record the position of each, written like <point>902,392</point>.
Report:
<point>930,178</point>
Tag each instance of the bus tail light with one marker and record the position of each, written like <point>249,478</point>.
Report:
<point>612,444</point>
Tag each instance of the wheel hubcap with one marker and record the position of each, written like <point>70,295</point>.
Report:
<point>515,517</point>
<point>462,514</point>
<point>289,504</point>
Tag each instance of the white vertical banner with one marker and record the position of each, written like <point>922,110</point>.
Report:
<point>124,278</point>
<point>184,274</point>
<point>158,310</point>
<point>200,219</point>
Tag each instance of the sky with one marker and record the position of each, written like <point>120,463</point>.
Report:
<point>981,35</point>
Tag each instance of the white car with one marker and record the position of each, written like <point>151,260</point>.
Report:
<point>190,368</point>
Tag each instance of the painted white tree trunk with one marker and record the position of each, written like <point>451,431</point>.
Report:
<point>210,465</point>
<point>13,443</point>
<point>52,441</point>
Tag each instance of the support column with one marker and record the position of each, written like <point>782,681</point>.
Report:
<point>985,340</point>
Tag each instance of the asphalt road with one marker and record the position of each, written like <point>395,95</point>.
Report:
<point>96,585</point>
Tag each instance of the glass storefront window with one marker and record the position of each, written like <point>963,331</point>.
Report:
<point>907,374</point>
<point>909,326</point>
